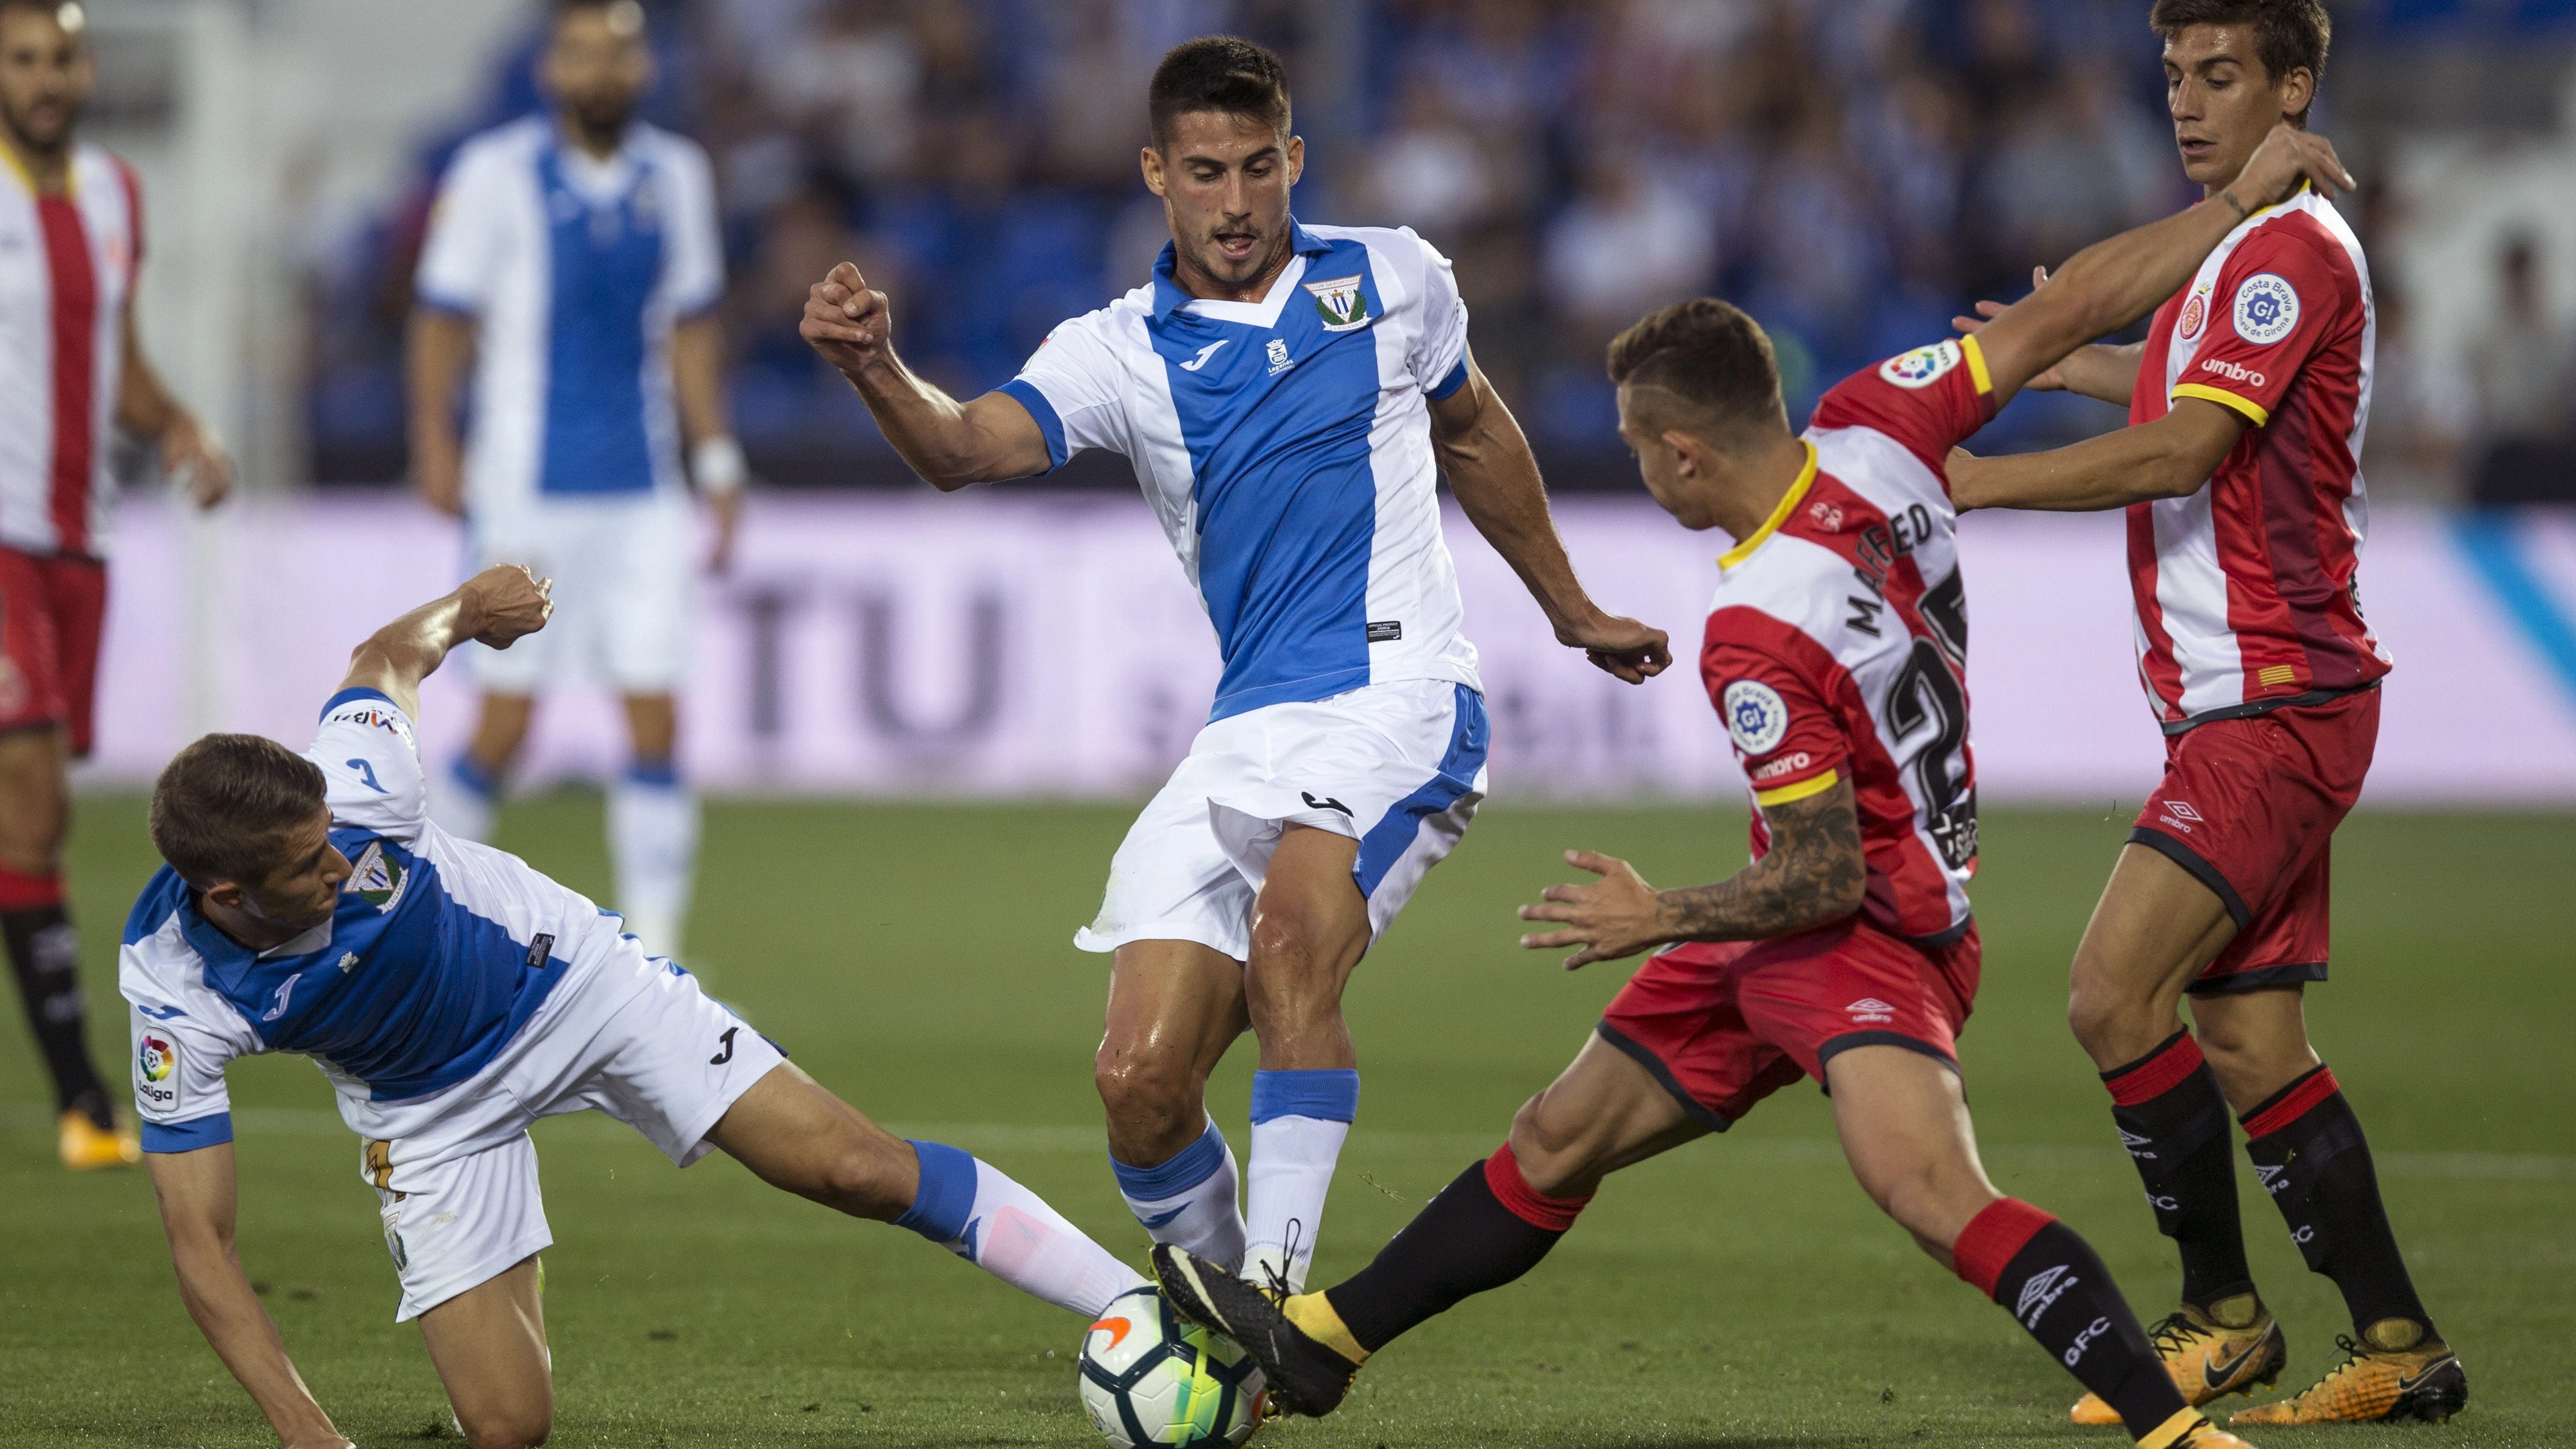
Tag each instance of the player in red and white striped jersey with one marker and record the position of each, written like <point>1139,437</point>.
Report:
<point>2246,511</point>
<point>1836,654</point>
<point>71,241</point>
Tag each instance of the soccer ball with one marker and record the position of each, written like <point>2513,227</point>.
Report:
<point>1151,1377</point>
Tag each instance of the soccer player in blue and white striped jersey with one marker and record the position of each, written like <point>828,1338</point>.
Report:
<point>574,258</point>
<point>1288,395</point>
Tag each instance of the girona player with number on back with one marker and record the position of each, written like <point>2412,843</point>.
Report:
<point>1836,651</point>
<point>2240,475</point>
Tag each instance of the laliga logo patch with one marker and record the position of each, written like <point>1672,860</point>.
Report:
<point>2267,309</point>
<point>1922,367</point>
<point>1755,716</point>
<point>2195,311</point>
<point>156,1071</point>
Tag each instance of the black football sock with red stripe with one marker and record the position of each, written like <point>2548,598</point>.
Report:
<point>44,953</point>
<point>2056,1287</point>
<point>2308,1150</point>
<point>2173,1120</point>
<point>1484,1230</point>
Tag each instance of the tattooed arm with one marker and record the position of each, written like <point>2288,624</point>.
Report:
<point>1813,874</point>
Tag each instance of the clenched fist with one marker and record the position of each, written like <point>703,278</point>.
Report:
<point>504,604</point>
<point>846,321</point>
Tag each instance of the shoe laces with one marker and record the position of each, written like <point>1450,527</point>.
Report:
<point>1275,1276</point>
<point>2173,1333</point>
<point>2353,1353</point>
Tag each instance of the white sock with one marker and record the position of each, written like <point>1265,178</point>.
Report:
<point>1299,1119</point>
<point>464,800</point>
<point>1189,1200</point>
<point>653,844</point>
<point>974,1210</point>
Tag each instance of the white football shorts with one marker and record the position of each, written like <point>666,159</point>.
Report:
<point>625,573</point>
<point>640,1042</point>
<point>1399,767</point>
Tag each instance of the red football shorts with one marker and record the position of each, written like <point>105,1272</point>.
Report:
<point>51,613</point>
<point>1725,1024</point>
<point>2250,806</point>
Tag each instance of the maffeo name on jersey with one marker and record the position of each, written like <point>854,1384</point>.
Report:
<point>1879,547</point>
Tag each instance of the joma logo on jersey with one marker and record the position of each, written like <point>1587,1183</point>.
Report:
<point>1341,303</point>
<point>2041,1293</point>
<point>377,878</point>
<point>2233,372</point>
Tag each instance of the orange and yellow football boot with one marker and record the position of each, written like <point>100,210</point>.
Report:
<point>2190,1430</point>
<point>2376,1384</point>
<point>2209,1359</point>
<point>85,1147</point>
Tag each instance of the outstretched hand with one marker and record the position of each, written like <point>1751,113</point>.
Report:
<point>1987,311</point>
<point>504,604</point>
<point>1619,916</point>
<point>847,321</point>
<point>1619,646</point>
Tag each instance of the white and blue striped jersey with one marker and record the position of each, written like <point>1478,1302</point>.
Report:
<point>438,956</point>
<point>575,270</point>
<point>1286,447</point>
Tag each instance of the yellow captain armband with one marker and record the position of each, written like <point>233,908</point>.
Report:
<point>1800,791</point>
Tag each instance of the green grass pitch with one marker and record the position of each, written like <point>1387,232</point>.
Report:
<point>1740,1292</point>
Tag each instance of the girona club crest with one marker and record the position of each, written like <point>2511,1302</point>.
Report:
<point>2195,312</point>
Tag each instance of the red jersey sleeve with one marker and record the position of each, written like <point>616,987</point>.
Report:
<point>1930,400</point>
<point>1791,744</point>
<point>2279,299</point>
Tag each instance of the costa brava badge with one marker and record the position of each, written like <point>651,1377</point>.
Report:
<point>2267,309</point>
<point>1756,717</point>
<point>1920,368</point>
<point>1341,303</point>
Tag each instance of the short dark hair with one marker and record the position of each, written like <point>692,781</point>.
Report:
<point>1709,356</point>
<point>559,10</point>
<point>2288,34</point>
<point>225,804</point>
<point>1217,73</point>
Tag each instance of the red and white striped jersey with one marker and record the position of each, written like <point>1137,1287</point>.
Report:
<point>67,265</point>
<point>2245,590</point>
<point>1837,646</point>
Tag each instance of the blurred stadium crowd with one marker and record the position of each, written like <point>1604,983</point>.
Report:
<point>1851,171</point>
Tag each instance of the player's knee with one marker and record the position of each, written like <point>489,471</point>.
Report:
<point>1554,1151</point>
<point>2097,1013</point>
<point>1143,1082</point>
<point>516,1427</point>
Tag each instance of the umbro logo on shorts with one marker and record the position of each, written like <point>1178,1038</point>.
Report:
<point>1870,1008</point>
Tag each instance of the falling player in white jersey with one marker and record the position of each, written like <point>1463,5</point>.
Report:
<point>574,258</point>
<point>1288,395</point>
<point>453,995</point>
<point>71,370</point>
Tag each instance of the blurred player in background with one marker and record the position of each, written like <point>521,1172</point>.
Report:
<point>454,995</point>
<point>574,259</point>
<point>1288,395</point>
<point>2241,478</point>
<point>1836,652</point>
<point>71,371</point>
